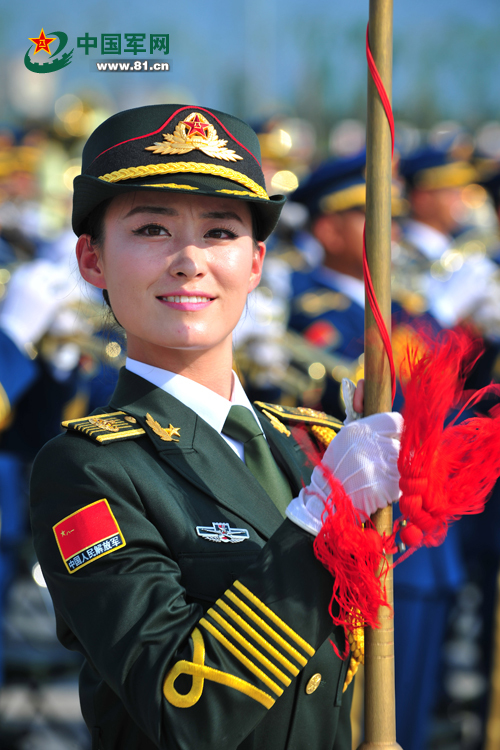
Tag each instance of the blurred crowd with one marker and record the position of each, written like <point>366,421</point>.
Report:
<point>302,332</point>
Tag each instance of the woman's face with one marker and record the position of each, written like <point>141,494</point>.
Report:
<point>177,268</point>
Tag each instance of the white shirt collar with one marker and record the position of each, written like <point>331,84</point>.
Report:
<point>204,402</point>
<point>428,240</point>
<point>348,285</point>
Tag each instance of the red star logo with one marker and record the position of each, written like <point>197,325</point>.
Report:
<point>196,127</point>
<point>42,42</point>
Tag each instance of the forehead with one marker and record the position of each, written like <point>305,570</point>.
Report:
<point>170,203</point>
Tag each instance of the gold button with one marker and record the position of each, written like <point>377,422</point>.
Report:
<point>313,683</point>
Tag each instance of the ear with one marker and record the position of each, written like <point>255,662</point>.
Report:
<point>259,253</point>
<point>89,262</point>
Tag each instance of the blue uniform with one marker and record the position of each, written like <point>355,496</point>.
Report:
<point>33,397</point>
<point>17,374</point>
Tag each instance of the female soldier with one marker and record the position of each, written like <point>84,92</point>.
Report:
<point>159,521</point>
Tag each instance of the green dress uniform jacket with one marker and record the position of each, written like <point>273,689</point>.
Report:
<point>202,614</point>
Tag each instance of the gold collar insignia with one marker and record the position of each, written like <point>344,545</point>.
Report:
<point>195,132</point>
<point>168,434</point>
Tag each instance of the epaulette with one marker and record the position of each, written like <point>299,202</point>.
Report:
<point>319,301</point>
<point>323,426</point>
<point>107,427</point>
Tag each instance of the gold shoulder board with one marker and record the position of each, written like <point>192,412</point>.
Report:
<point>321,425</point>
<point>107,427</point>
<point>300,415</point>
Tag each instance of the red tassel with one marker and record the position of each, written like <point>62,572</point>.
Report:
<point>351,549</point>
<point>352,554</point>
<point>446,472</point>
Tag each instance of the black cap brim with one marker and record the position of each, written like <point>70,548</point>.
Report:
<point>89,192</point>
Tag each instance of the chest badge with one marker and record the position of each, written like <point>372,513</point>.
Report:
<point>222,532</point>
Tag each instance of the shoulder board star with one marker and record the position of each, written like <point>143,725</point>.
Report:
<point>106,427</point>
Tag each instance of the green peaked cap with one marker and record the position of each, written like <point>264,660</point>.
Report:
<point>179,148</point>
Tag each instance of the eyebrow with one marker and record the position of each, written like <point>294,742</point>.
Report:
<point>167,211</point>
<point>221,215</point>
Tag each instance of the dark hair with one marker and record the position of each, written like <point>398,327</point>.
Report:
<point>94,223</point>
<point>94,226</point>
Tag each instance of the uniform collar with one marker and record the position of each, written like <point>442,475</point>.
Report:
<point>204,402</point>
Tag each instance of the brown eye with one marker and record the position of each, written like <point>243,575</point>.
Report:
<point>221,234</point>
<point>152,230</point>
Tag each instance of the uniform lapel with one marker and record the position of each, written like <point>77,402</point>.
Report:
<point>201,456</point>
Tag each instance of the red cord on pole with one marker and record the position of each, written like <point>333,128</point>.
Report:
<point>372,299</point>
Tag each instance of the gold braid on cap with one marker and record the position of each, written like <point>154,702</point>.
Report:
<point>186,166</point>
<point>453,174</point>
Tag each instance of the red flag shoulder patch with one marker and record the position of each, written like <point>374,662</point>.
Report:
<point>87,534</point>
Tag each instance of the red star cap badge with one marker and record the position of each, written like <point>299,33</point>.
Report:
<point>196,127</point>
<point>42,42</point>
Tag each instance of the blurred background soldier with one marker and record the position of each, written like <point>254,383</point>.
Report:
<point>56,361</point>
<point>328,301</point>
<point>437,261</point>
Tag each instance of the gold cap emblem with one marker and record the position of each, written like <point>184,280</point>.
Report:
<point>195,132</point>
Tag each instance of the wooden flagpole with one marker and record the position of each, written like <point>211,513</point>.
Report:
<point>380,718</point>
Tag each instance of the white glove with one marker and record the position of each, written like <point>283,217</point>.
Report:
<point>35,293</point>
<point>348,389</point>
<point>363,457</point>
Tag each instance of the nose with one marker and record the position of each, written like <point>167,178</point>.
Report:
<point>189,262</point>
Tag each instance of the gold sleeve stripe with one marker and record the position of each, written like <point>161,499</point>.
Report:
<point>267,629</point>
<point>275,619</point>
<point>4,404</point>
<point>257,637</point>
<point>248,646</point>
<point>199,672</point>
<point>241,657</point>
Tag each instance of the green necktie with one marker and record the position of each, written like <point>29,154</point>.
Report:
<point>241,425</point>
